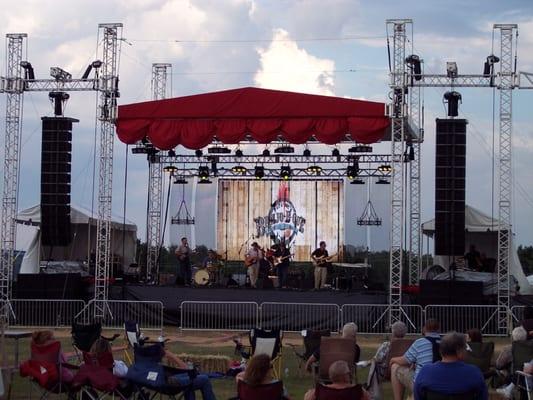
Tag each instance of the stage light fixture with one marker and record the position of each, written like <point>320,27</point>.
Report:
<point>307,153</point>
<point>382,181</point>
<point>285,172</point>
<point>451,69</point>
<point>60,74</point>
<point>385,168</point>
<point>238,169</point>
<point>284,150</point>
<point>170,169</point>
<point>413,61</point>
<point>171,153</point>
<point>314,169</point>
<point>360,148</point>
<point>180,181</point>
<point>453,99</point>
<point>203,173</point>
<point>199,153</point>
<point>266,153</point>
<point>352,171</point>
<point>238,153</point>
<point>357,182</point>
<point>411,153</point>
<point>218,150</point>
<point>259,172</point>
<point>335,152</point>
<point>28,70</point>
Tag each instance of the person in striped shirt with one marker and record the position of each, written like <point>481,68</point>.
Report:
<point>425,350</point>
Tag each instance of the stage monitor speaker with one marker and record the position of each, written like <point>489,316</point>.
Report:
<point>450,174</point>
<point>450,292</point>
<point>56,157</point>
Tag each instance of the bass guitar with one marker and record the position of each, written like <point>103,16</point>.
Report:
<point>320,261</point>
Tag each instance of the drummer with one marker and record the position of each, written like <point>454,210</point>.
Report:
<point>211,260</point>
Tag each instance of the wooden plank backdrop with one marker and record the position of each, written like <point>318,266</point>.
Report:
<point>321,203</point>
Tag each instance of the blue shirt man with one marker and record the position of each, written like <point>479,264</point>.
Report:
<point>451,375</point>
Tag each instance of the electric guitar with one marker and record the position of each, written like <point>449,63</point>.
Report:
<point>249,261</point>
<point>317,262</point>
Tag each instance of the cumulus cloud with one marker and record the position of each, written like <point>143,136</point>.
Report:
<point>286,66</point>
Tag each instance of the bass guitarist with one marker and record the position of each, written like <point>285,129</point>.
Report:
<point>321,262</point>
<point>280,263</point>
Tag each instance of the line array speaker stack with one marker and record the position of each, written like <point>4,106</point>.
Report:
<point>450,175</point>
<point>56,157</point>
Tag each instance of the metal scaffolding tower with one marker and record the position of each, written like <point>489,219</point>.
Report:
<point>160,73</point>
<point>506,86</point>
<point>14,88</point>
<point>107,107</point>
<point>398,117</point>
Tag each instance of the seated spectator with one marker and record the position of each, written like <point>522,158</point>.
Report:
<point>340,376</point>
<point>259,372</point>
<point>201,382</point>
<point>507,391</point>
<point>505,360</point>
<point>527,322</point>
<point>474,336</point>
<point>451,375</point>
<point>377,373</point>
<point>349,331</point>
<point>423,351</point>
<point>42,338</point>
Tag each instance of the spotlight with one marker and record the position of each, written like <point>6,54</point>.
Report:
<point>352,171</point>
<point>285,172</point>
<point>414,63</point>
<point>357,182</point>
<point>259,172</point>
<point>28,70</point>
<point>218,150</point>
<point>238,153</point>
<point>411,154</point>
<point>384,168</point>
<point>284,150</point>
<point>199,153</point>
<point>451,69</point>
<point>360,148</point>
<point>238,169</point>
<point>171,153</point>
<point>180,181</point>
<point>314,169</point>
<point>266,153</point>
<point>170,169</point>
<point>488,67</point>
<point>60,74</point>
<point>335,152</point>
<point>382,181</point>
<point>307,153</point>
<point>453,98</point>
<point>203,173</point>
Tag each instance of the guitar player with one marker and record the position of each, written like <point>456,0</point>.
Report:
<point>253,262</point>
<point>283,254</point>
<point>321,262</point>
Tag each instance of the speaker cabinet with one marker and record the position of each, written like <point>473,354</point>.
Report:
<point>450,174</point>
<point>56,158</point>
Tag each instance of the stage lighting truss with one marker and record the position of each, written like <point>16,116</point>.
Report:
<point>369,216</point>
<point>182,217</point>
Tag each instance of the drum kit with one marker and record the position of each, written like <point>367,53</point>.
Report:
<point>209,273</point>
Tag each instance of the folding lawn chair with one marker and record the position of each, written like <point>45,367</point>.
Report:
<point>311,342</point>
<point>480,355</point>
<point>134,337</point>
<point>334,349</point>
<point>269,391</point>
<point>323,392</point>
<point>269,343</point>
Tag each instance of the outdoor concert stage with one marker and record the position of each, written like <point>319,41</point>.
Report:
<point>173,296</point>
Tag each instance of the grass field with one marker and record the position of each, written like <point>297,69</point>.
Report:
<point>296,381</point>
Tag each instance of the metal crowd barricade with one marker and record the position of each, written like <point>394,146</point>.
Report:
<point>517,314</point>
<point>148,314</point>
<point>460,318</point>
<point>45,313</point>
<point>295,317</point>
<point>374,318</point>
<point>220,316</point>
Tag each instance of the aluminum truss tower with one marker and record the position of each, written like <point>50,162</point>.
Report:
<point>107,107</point>
<point>160,73</point>
<point>398,119</point>
<point>506,86</point>
<point>14,88</point>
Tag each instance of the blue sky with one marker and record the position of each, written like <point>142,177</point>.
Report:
<point>335,47</point>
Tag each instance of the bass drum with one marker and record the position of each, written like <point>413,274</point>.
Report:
<point>201,277</point>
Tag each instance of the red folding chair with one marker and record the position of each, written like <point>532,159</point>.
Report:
<point>269,391</point>
<point>323,392</point>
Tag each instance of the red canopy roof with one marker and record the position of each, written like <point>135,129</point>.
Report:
<point>232,115</point>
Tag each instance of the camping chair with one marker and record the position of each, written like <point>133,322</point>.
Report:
<point>152,379</point>
<point>311,341</point>
<point>522,351</point>
<point>525,385</point>
<point>430,395</point>
<point>134,337</point>
<point>45,369</point>
<point>269,391</point>
<point>335,349</point>
<point>84,336</point>
<point>398,347</point>
<point>323,392</point>
<point>480,355</point>
<point>267,342</point>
